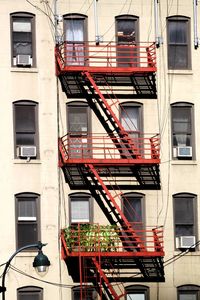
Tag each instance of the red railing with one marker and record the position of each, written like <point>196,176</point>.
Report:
<point>92,238</point>
<point>106,54</point>
<point>99,146</point>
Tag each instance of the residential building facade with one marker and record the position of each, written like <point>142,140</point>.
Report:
<point>100,156</point>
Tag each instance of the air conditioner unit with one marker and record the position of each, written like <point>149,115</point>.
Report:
<point>185,242</point>
<point>26,151</point>
<point>184,151</point>
<point>23,60</point>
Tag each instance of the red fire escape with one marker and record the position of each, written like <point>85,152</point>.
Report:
<point>105,164</point>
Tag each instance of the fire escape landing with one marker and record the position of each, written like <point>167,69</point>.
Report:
<point>128,69</point>
<point>107,163</point>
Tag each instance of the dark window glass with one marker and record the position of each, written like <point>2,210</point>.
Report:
<point>22,36</point>
<point>25,118</point>
<point>179,43</point>
<point>185,215</point>
<point>78,119</point>
<point>131,118</point>
<point>127,36</point>
<point>182,128</point>
<point>25,125</point>
<point>27,215</point>
<point>23,50</point>
<point>188,292</point>
<point>78,128</point>
<point>137,292</point>
<point>133,208</point>
<point>88,293</point>
<point>29,293</point>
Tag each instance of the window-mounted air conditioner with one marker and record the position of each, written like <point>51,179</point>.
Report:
<point>185,242</point>
<point>23,60</point>
<point>26,151</point>
<point>184,151</point>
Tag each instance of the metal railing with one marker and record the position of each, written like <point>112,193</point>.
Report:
<point>99,146</point>
<point>110,238</point>
<point>106,54</point>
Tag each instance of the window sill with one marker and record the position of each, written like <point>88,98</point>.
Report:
<point>190,253</point>
<point>184,162</point>
<point>180,72</point>
<point>24,70</point>
<point>27,162</point>
<point>27,253</point>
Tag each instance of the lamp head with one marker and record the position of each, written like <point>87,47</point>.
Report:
<point>41,263</point>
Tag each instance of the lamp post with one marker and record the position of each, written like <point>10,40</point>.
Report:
<point>40,263</point>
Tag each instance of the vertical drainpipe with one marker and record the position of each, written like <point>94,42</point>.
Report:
<point>97,37</point>
<point>157,38</point>
<point>196,40</point>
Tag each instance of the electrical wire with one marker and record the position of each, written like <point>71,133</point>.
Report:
<point>47,14</point>
<point>67,286</point>
<point>178,256</point>
<point>39,9</point>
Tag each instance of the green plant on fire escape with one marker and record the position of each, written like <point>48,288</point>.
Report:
<point>92,237</point>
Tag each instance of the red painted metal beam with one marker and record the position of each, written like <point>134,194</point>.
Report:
<point>105,279</point>
<point>112,162</point>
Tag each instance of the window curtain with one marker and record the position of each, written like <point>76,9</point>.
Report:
<point>74,37</point>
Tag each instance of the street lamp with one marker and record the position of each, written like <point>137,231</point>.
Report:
<point>41,263</point>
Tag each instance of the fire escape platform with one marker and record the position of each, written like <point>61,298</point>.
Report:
<point>135,163</point>
<point>106,247</point>
<point>128,69</point>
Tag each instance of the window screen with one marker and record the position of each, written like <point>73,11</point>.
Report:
<point>80,208</point>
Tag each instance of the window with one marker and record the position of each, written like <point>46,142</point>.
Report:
<point>26,127</point>
<point>30,293</point>
<point>131,118</point>
<point>188,292</point>
<point>75,35</point>
<point>27,219</point>
<point>81,208</point>
<point>185,219</point>
<point>79,126</point>
<point>133,208</point>
<point>23,39</point>
<point>88,293</point>
<point>127,34</point>
<point>137,292</point>
<point>179,42</point>
<point>182,131</point>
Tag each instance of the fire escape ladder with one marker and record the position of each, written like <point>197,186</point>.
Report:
<point>124,139</point>
<point>128,230</point>
<point>97,191</point>
<point>107,285</point>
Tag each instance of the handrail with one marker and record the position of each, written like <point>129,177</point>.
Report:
<point>106,54</point>
<point>101,146</point>
<point>109,238</point>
